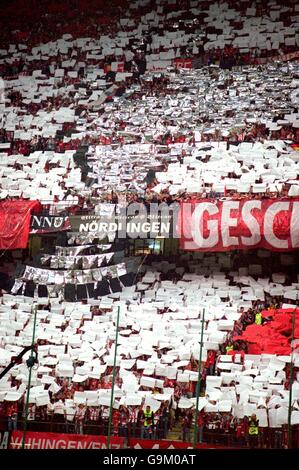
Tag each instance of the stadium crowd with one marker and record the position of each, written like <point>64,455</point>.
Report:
<point>160,102</point>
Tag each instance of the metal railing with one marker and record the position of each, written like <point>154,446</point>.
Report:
<point>269,438</point>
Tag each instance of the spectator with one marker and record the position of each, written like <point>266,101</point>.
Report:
<point>123,425</point>
<point>241,431</point>
<point>200,424</point>
<point>133,419</point>
<point>186,426</point>
<point>79,418</point>
<point>258,318</point>
<point>93,418</point>
<point>147,431</point>
<point>12,415</point>
<point>253,431</point>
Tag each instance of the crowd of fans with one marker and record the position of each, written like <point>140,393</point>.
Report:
<point>123,129</point>
<point>64,414</point>
<point>63,75</point>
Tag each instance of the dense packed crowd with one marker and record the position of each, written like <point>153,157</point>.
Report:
<point>96,117</point>
<point>158,355</point>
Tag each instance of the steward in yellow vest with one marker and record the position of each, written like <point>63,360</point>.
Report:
<point>253,428</point>
<point>148,417</point>
<point>228,348</point>
<point>253,431</point>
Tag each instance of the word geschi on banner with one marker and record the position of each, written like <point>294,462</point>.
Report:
<point>51,440</point>
<point>45,224</point>
<point>133,221</point>
<point>209,225</point>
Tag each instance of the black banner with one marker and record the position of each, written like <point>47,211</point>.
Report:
<point>49,223</point>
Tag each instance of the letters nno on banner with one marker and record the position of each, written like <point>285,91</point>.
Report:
<point>213,225</point>
<point>45,224</point>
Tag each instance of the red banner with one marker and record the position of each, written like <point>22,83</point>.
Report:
<point>213,225</point>
<point>154,444</point>
<point>182,63</point>
<point>51,440</point>
<point>282,57</point>
<point>15,223</point>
